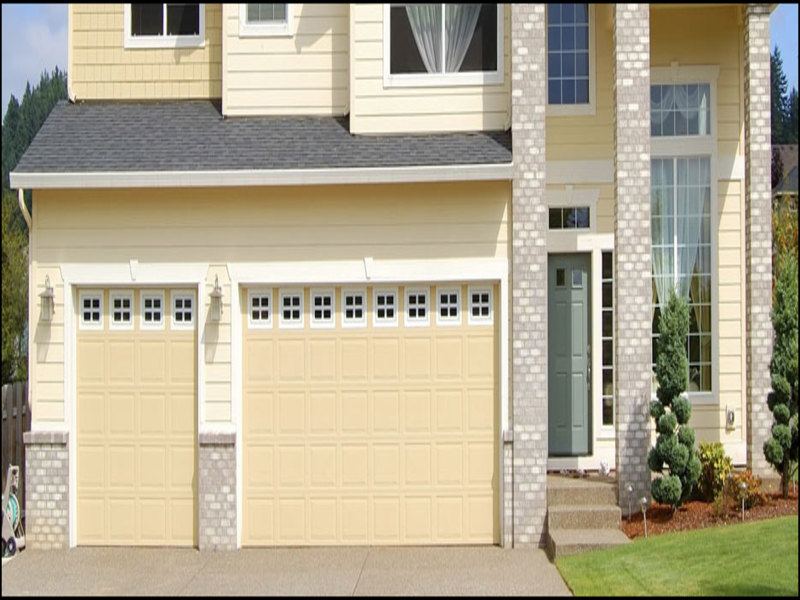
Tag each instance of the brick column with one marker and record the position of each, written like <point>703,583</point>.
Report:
<point>758,231</point>
<point>46,490</point>
<point>529,274</point>
<point>632,263</point>
<point>216,491</point>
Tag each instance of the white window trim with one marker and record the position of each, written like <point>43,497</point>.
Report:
<point>274,29</point>
<point>121,326</point>
<point>448,321</point>
<point>575,110</point>
<point>322,323</point>
<point>164,41</point>
<point>442,79</point>
<point>153,325</point>
<point>259,292</point>
<point>408,321</point>
<point>393,322</point>
<point>354,323</point>
<point>284,324</point>
<point>569,198</point>
<point>472,320</point>
<point>182,295</point>
<point>90,325</point>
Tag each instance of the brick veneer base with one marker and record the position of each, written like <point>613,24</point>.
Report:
<point>217,491</point>
<point>46,490</point>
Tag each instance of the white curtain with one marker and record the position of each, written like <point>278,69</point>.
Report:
<point>426,25</point>
<point>690,217</point>
<point>689,103</point>
<point>460,21</point>
<point>662,220</point>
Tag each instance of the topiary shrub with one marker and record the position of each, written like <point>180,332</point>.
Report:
<point>781,448</point>
<point>715,466</point>
<point>674,450</point>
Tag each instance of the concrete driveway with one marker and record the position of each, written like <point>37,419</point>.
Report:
<point>293,571</point>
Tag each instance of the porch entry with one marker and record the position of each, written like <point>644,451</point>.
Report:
<point>569,354</point>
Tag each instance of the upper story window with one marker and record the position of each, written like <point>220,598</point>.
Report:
<point>443,44</point>
<point>570,58</point>
<point>265,20</point>
<point>571,217</point>
<point>680,109</point>
<point>164,25</point>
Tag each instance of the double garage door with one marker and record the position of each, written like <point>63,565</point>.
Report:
<point>369,416</point>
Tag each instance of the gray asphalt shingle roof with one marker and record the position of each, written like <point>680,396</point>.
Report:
<point>192,136</point>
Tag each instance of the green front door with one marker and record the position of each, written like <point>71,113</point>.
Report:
<point>569,354</point>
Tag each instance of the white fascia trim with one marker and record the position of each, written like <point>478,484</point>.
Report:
<point>264,177</point>
<point>108,274</point>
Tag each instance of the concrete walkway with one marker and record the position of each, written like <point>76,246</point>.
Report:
<point>294,571</point>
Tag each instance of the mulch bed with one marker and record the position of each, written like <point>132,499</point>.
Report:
<point>698,515</point>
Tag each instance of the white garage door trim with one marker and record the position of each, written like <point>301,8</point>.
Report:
<point>106,275</point>
<point>359,272</point>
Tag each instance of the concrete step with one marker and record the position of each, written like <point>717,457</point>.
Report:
<point>584,516</point>
<point>564,542</point>
<point>566,492</point>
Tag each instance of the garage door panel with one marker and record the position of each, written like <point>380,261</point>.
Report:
<point>136,435</point>
<point>370,435</point>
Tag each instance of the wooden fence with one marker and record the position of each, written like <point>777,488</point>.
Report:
<point>16,421</point>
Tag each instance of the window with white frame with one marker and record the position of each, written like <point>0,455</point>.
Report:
<point>260,308</point>
<point>441,44</point>
<point>607,336</point>
<point>569,55</point>
<point>385,308</point>
<point>152,310</point>
<point>680,200</point>
<point>91,307</point>
<point>164,25</point>
<point>449,306</point>
<point>480,306</point>
<point>417,313</point>
<point>182,310</point>
<point>121,303</point>
<point>265,19</point>
<point>322,308</point>
<point>354,308</point>
<point>291,309</point>
<point>569,217</point>
<point>680,109</point>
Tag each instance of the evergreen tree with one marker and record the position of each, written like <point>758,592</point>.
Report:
<point>792,127</point>
<point>777,167</point>
<point>778,91</point>
<point>671,411</point>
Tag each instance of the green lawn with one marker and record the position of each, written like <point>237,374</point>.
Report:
<point>750,559</point>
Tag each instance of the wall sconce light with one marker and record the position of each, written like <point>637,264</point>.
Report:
<point>47,301</point>
<point>644,513</point>
<point>215,314</point>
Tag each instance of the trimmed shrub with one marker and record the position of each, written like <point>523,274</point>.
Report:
<point>715,467</point>
<point>753,494</point>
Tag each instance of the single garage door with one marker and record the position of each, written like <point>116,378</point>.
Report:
<point>136,417</point>
<point>370,415</point>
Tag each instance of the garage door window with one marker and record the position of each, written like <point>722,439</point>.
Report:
<point>153,310</point>
<point>291,309</point>
<point>260,303</point>
<point>449,308</point>
<point>91,310</point>
<point>121,310</point>
<point>480,306</point>
<point>417,314</point>
<point>385,308</point>
<point>322,309</point>
<point>182,311</point>
<point>354,309</point>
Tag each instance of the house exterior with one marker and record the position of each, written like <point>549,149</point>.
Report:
<point>363,274</point>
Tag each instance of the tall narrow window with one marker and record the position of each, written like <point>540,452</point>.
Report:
<point>607,334</point>
<point>681,251</point>
<point>568,54</point>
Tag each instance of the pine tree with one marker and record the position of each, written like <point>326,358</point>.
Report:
<point>792,128</point>
<point>778,93</point>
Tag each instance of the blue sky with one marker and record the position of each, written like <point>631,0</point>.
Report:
<point>34,39</point>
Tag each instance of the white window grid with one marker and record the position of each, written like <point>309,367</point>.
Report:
<point>607,339</point>
<point>183,310</point>
<point>152,310</point>
<point>120,310</point>
<point>259,309</point>
<point>90,305</point>
<point>266,27</point>
<point>417,307</point>
<point>290,309</point>
<point>163,40</point>
<point>448,306</point>
<point>354,308</point>
<point>481,309</point>
<point>384,307</point>
<point>322,309</point>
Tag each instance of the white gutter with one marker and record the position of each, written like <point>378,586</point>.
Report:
<point>23,208</point>
<point>263,177</point>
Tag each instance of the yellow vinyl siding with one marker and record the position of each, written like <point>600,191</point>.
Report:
<point>302,74</point>
<point>370,435</point>
<point>101,68</point>
<point>377,109</point>
<point>217,225</point>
